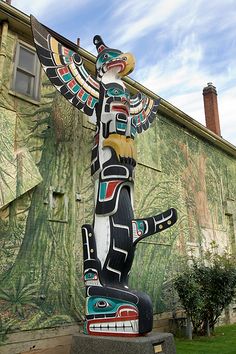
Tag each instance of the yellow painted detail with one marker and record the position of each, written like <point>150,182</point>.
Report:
<point>132,146</point>
<point>73,70</point>
<point>54,45</point>
<point>57,59</point>
<point>150,104</point>
<point>130,64</point>
<point>123,146</point>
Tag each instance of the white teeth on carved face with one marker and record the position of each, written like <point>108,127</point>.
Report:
<point>134,325</point>
<point>130,327</point>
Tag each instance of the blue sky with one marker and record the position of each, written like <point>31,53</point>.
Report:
<point>179,45</point>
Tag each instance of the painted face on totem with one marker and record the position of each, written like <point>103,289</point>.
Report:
<point>115,109</point>
<point>107,316</point>
<point>117,98</point>
<point>91,277</point>
<point>107,59</point>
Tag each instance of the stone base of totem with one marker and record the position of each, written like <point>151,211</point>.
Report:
<point>153,342</point>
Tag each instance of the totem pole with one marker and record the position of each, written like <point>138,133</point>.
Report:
<point>112,309</point>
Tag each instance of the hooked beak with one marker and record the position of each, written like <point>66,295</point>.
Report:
<point>129,61</point>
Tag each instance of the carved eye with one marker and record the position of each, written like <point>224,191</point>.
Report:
<point>124,58</point>
<point>105,56</point>
<point>102,304</point>
<point>115,91</point>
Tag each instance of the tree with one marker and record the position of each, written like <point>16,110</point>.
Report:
<point>206,288</point>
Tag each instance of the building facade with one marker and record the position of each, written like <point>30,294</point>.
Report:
<point>46,192</point>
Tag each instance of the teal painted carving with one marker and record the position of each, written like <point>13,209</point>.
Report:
<point>109,243</point>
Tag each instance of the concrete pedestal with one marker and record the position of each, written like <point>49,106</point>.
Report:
<point>152,343</point>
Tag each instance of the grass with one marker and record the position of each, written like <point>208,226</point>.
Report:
<point>223,342</point>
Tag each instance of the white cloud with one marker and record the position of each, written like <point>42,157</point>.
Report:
<point>179,71</point>
<point>37,8</point>
<point>139,19</point>
<point>180,77</point>
<point>50,10</point>
<point>227,112</point>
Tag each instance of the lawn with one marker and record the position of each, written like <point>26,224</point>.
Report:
<point>223,342</point>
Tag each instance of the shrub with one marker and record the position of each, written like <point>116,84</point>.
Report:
<point>206,288</point>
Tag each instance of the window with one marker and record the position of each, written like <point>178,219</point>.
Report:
<point>26,72</point>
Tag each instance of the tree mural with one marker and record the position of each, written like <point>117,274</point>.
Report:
<point>51,242</point>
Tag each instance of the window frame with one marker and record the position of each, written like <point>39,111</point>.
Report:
<point>35,74</point>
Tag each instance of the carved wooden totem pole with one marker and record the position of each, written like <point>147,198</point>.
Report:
<point>112,309</point>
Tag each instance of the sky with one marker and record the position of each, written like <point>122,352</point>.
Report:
<point>179,45</point>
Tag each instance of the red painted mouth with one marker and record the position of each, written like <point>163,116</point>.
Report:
<point>120,108</point>
<point>116,63</point>
<point>124,323</point>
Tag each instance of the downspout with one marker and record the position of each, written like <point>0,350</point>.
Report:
<point>3,49</point>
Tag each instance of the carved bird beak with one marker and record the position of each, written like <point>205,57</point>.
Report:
<point>129,61</point>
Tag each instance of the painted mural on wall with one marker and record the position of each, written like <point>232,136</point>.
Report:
<point>41,261</point>
<point>38,231</point>
<point>109,243</point>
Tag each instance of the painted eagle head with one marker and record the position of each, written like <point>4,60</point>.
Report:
<point>109,58</point>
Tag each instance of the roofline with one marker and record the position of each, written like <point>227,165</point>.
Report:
<point>12,15</point>
<point>9,12</point>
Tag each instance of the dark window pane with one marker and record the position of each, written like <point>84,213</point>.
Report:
<point>26,60</point>
<point>26,74</point>
<point>23,83</point>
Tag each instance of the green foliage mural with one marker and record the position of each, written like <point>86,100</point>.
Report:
<point>46,194</point>
<point>41,216</point>
<point>18,171</point>
<point>46,222</point>
<point>190,175</point>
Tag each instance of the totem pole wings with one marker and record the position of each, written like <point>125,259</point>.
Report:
<point>65,70</point>
<point>143,111</point>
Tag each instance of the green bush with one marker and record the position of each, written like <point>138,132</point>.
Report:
<point>206,288</point>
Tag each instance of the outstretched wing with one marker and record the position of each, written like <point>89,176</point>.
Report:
<point>65,70</point>
<point>143,111</point>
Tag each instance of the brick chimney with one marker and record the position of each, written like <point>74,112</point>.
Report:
<point>211,108</point>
